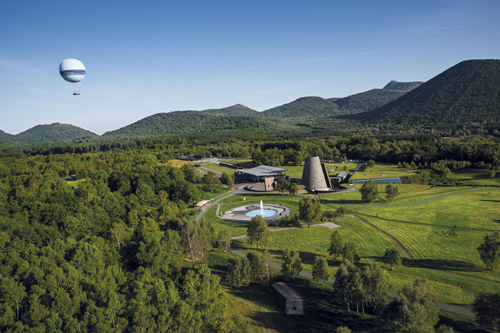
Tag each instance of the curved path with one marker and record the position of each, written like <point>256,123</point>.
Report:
<point>447,307</point>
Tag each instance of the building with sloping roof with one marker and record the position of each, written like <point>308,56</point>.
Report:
<point>259,174</point>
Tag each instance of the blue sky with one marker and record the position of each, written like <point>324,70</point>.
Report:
<point>160,56</point>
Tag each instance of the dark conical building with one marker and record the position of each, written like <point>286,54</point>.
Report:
<point>315,176</point>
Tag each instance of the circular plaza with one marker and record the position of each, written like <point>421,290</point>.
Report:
<point>245,213</point>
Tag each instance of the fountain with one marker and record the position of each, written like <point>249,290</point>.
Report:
<point>262,212</point>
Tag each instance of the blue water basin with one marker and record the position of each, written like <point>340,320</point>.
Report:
<point>267,213</point>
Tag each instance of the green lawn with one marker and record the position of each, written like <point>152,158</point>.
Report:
<point>218,168</point>
<point>340,167</point>
<point>471,210</point>
<point>242,162</point>
<point>209,195</point>
<point>382,170</point>
<point>477,177</point>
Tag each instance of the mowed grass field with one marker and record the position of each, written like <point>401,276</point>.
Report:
<point>382,170</point>
<point>478,209</point>
<point>314,241</point>
<point>477,177</point>
<point>218,168</point>
<point>178,163</point>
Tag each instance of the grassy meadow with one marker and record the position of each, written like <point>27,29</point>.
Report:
<point>382,170</point>
<point>450,263</point>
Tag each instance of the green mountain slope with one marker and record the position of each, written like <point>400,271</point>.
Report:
<point>303,107</point>
<point>366,101</point>
<point>395,85</point>
<point>192,122</point>
<point>52,132</point>
<point>235,110</point>
<point>467,92</point>
<point>5,136</point>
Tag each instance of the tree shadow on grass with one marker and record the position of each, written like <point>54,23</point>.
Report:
<point>321,313</point>
<point>444,264</point>
<point>458,325</point>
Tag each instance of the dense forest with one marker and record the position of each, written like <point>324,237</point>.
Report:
<point>235,110</point>
<point>105,254</point>
<point>366,101</point>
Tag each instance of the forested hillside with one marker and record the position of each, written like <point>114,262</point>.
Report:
<point>235,110</point>
<point>52,132</point>
<point>5,136</point>
<point>466,93</point>
<point>395,85</point>
<point>187,122</point>
<point>103,254</point>
<point>366,101</point>
<point>303,107</point>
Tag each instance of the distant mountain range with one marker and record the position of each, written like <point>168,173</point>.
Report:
<point>303,107</point>
<point>49,133</point>
<point>5,136</point>
<point>405,86</point>
<point>466,92</point>
<point>366,101</point>
<point>188,122</point>
<point>235,110</point>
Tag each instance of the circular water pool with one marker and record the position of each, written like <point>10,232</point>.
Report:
<point>267,213</point>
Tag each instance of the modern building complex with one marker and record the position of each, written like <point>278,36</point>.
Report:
<point>261,173</point>
<point>315,177</point>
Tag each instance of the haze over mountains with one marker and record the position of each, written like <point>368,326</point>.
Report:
<point>466,92</point>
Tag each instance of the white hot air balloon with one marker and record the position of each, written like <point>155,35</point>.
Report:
<point>72,70</point>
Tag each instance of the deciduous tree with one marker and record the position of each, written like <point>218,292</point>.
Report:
<point>369,191</point>
<point>309,211</point>
<point>292,264</point>
<point>350,252</point>
<point>392,257</point>
<point>391,192</point>
<point>320,270</point>
<point>489,250</point>
<point>336,244</point>
<point>224,240</point>
<point>283,186</point>
<point>258,231</point>
<point>293,188</point>
<point>238,272</point>
<point>486,307</point>
<point>413,310</point>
